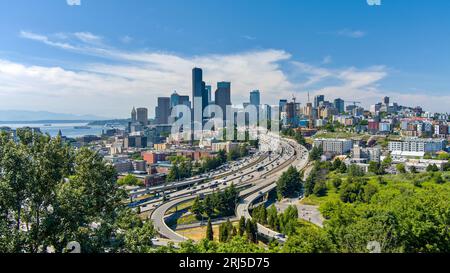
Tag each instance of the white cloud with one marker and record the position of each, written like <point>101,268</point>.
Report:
<point>88,37</point>
<point>327,60</point>
<point>351,33</point>
<point>73,2</point>
<point>126,39</point>
<point>248,37</point>
<point>45,40</point>
<point>138,78</point>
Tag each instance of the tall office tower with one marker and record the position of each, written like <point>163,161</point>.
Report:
<point>162,111</point>
<point>291,112</point>
<point>318,99</point>
<point>142,116</point>
<point>197,85</point>
<point>208,93</point>
<point>184,100</point>
<point>267,112</point>
<point>205,100</point>
<point>386,100</point>
<point>255,98</point>
<point>174,99</point>
<point>282,105</point>
<point>223,96</point>
<point>339,104</point>
<point>133,115</point>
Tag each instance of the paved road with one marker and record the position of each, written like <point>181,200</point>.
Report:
<point>244,172</point>
<point>300,161</point>
<point>305,212</point>
<point>285,154</point>
<point>190,181</point>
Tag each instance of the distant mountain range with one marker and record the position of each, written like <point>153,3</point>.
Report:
<point>19,115</point>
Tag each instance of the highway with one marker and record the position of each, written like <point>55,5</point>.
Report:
<point>301,160</point>
<point>240,176</point>
<point>255,159</point>
<point>285,156</point>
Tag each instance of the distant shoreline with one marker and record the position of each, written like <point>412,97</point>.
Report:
<point>89,122</point>
<point>43,121</point>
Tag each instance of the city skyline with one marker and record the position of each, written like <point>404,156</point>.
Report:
<point>104,70</point>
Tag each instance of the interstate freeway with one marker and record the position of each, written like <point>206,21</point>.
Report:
<point>288,153</point>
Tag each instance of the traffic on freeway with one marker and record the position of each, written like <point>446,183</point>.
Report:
<point>253,179</point>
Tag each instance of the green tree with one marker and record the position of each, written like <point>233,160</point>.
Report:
<point>241,226</point>
<point>337,164</point>
<point>374,167</point>
<point>315,153</point>
<point>289,183</point>
<point>52,194</point>
<point>401,168</point>
<point>309,239</point>
<point>251,229</point>
<point>432,168</point>
<point>320,188</point>
<point>355,170</point>
<point>337,182</point>
<point>272,218</point>
<point>129,180</point>
<point>209,231</point>
<point>197,207</point>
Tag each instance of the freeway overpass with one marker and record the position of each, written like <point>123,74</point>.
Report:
<point>287,156</point>
<point>193,181</point>
<point>243,209</point>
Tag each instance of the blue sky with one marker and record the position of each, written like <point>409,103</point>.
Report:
<point>104,56</point>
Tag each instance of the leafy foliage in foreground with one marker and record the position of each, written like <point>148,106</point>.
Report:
<point>51,194</point>
<point>405,213</point>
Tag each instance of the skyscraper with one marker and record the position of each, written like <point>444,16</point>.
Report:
<point>174,99</point>
<point>133,115</point>
<point>318,99</point>
<point>282,105</point>
<point>205,100</point>
<point>291,113</point>
<point>223,96</point>
<point>339,104</point>
<point>184,100</point>
<point>162,111</point>
<point>142,116</point>
<point>255,98</point>
<point>208,92</point>
<point>197,85</point>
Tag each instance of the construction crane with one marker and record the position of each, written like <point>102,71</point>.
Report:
<point>354,102</point>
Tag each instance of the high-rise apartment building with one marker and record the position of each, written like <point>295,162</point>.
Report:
<point>334,146</point>
<point>418,145</point>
